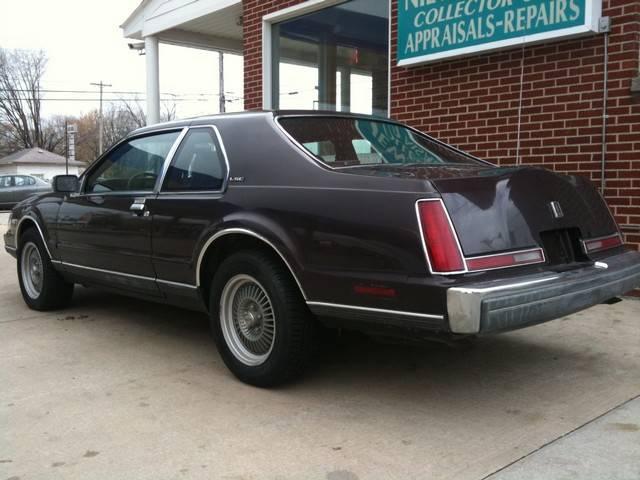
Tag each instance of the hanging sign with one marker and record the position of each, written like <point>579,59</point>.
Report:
<point>430,30</point>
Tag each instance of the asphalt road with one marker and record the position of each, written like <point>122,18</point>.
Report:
<point>114,388</point>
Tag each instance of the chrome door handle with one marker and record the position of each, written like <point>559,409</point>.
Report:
<point>138,205</point>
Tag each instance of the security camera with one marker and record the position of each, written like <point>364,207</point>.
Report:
<point>137,46</point>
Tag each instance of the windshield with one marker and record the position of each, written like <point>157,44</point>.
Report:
<point>353,142</point>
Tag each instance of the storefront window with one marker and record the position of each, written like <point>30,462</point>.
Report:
<point>336,58</point>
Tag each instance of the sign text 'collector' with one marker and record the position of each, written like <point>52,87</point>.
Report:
<point>435,29</point>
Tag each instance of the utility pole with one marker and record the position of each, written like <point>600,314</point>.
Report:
<point>71,130</point>
<point>100,117</point>
<point>66,145</point>
<point>223,100</point>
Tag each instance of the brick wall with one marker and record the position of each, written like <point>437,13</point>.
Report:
<point>473,103</point>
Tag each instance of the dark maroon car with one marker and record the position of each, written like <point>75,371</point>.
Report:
<point>277,223</point>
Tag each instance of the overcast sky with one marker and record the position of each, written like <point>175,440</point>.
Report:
<point>84,43</point>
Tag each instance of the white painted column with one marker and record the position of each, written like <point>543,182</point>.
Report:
<point>152,54</point>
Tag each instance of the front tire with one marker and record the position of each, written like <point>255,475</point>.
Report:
<point>42,287</point>
<point>260,322</point>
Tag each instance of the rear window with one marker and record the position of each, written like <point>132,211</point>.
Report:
<point>351,142</point>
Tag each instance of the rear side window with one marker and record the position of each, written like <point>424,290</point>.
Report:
<point>23,181</point>
<point>352,142</point>
<point>198,165</point>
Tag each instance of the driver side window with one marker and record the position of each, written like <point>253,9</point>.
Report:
<point>134,166</point>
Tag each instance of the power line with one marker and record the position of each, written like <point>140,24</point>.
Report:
<point>120,99</point>
<point>120,92</point>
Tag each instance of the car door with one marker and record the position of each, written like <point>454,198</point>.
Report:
<point>104,231</point>
<point>188,205</point>
<point>6,181</point>
<point>24,187</point>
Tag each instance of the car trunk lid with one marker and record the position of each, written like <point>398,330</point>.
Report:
<point>497,209</point>
<point>500,209</point>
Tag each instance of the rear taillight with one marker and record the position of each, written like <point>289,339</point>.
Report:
<point>603,243</point>
<point>439,239</point>
<point>504,260</point>
<point>443,251</point>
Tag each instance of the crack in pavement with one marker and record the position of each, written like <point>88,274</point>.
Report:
<point>551,442</point>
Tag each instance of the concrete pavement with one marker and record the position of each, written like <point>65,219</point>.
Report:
<point>115,388</point>
<point>607,448</point>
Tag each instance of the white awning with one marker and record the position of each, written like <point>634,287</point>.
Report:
<point>207,24</point>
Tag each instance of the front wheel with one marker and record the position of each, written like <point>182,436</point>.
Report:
<point>42,287</point>
<point>261,324</point>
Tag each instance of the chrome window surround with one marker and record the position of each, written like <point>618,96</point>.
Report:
<point>97,163</point>
<point>157,190</point>
<point>170,158</point>
<point>466,269</point>
<point>318,161</point>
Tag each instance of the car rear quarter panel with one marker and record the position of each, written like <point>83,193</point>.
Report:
<point>336,230</point>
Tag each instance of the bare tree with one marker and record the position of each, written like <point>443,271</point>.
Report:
<point>21,73</point>
<point>119,120</point>
<point>54,130</point>
<point>138,116</point>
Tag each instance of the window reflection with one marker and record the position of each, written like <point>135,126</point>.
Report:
<point>334,59</point>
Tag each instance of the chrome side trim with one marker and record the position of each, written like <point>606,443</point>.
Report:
<point>377,310</point>
<point>31,218</point>
<point>176,284</point>
<point>108,272</point>
<point>243,231</point>
<point>128,275</point>
<point>424,241</point>
<point>464,304</point>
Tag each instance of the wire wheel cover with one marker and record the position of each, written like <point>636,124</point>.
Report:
<point>247,320</point>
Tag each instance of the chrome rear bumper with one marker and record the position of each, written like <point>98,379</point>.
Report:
<point>501,306</point>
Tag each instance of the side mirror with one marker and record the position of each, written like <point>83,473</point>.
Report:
<point>65,184</point>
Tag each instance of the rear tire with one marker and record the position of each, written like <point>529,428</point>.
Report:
<point>261,324</point>
<point>42,287</point>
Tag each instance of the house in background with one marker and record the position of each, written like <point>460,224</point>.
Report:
<point>39,163</point>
